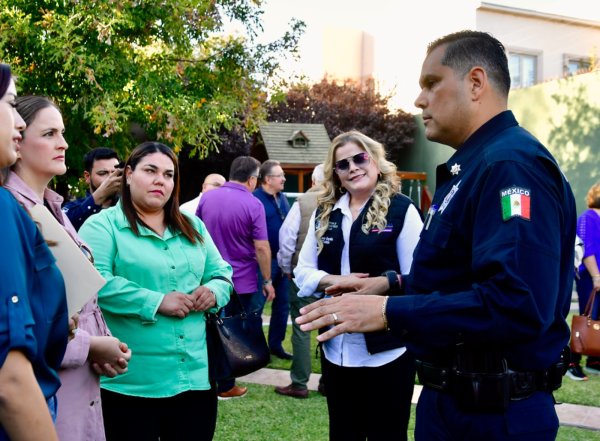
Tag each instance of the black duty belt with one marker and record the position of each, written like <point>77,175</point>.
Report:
<point>515,385</point>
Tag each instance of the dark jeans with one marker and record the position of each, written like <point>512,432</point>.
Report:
<point>530,419</point>
<point>250,302</point>
<point>369,403</point>
<point>188,416</point>
<point>584,286</point>
<point>280,309</point>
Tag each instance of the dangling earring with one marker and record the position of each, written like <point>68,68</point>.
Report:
<point>342,190</point>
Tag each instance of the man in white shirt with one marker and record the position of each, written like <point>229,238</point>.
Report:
<point>212,181</point>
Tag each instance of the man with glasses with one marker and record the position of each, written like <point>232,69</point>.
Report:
<point>212,181</point>
<point>270,193</point>
<point>236,222</point>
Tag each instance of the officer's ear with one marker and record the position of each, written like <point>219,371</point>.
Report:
<point>478,82</point>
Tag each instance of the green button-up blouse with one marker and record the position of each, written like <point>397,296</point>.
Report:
<point>168,353</point>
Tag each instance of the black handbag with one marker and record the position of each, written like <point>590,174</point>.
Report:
<point>236,344</point>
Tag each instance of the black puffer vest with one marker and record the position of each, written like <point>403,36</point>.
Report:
<point>371,253</point>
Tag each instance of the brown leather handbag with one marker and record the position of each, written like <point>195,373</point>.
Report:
<point>585,332</point>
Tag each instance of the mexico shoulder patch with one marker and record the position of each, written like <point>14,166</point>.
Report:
<point>515,202</point>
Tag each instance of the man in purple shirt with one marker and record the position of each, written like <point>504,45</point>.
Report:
<point>236,222</point>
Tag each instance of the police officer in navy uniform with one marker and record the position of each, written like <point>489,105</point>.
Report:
<point>485,303</point>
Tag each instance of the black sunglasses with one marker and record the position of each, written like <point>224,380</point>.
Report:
<point>343,165</point>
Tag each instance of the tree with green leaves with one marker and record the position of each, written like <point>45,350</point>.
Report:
<point>347,105</point>
<point>127,70</point>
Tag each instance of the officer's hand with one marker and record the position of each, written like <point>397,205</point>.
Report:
<point>346,313</point>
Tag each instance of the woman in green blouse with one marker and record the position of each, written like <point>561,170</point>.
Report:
<point>159,265</point>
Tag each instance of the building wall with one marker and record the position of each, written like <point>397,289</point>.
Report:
<point>551,37</point>
<point>347,53</point>
<point>566,118</point>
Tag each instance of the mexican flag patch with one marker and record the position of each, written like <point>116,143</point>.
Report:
<point>516,201</point>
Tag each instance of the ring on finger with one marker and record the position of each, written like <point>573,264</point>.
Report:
<point>335,318</point>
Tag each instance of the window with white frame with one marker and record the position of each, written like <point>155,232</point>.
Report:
<point>523,69</point>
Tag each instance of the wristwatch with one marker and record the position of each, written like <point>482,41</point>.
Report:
<point>393,279</point>
<point>267,282</point>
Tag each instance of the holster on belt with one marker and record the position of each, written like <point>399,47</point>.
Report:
<point>482,381</point>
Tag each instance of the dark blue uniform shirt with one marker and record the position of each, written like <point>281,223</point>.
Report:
<point>80,209</point>
<point>493,268</point>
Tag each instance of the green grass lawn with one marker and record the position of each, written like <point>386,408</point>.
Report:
<point>263,415</point>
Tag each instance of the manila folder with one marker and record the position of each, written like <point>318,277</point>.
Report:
<point>82,280</point>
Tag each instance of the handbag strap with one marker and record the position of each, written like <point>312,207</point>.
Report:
<point>590,303</point>
<point>234,294</point>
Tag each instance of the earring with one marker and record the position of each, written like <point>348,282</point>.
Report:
<point>342,190</point>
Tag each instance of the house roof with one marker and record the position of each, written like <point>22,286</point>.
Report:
<point>278,140</point>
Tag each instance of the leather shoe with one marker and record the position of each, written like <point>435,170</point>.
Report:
<point>291,391</point>
<point>234,392</point>
<point>282,354</point>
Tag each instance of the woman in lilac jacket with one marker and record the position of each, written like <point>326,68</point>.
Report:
<point>92,350</point>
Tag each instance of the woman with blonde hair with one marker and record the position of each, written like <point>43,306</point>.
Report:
<point>588,274</point>
<point>361,237</point>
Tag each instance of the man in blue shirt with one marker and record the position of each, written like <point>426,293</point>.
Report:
<point>270,193</point>
<point>103,177</point>
<point>490,286</point>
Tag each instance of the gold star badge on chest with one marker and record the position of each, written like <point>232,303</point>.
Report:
<point>455,169</point>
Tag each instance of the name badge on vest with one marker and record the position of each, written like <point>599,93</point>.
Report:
<point>388,229</point>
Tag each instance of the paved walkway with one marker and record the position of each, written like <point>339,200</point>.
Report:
<point>586,417</point>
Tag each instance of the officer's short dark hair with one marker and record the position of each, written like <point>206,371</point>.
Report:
<point>98,154</point>
<point>242,168</point>
<point>467,49</point>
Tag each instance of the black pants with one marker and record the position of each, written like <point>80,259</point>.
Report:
<point>188,416</point>
<point>369,403</point>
